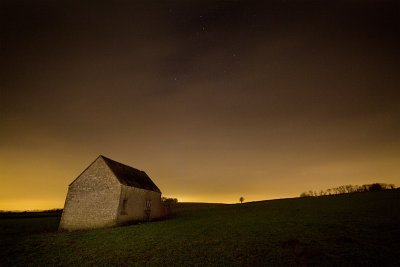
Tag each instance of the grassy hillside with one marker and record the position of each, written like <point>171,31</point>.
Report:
<point>354,229</point>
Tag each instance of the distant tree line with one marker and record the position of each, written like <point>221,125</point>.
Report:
<point>169,204</point>
<point>30,214</point>
<point>167,201</point>
<point>345,189</point>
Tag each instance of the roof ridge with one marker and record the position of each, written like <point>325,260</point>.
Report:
<point>107,158</point>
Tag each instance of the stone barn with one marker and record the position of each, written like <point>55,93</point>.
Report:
<point>110,193</point>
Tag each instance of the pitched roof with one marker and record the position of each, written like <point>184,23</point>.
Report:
<point>130,176</point>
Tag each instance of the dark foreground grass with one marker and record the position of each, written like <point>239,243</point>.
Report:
<point>348,230</point>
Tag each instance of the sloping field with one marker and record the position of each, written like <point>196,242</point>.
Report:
<point>355,229</point>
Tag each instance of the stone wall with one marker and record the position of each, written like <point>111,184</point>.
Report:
<point>92,199</point>
<point>139,204</point>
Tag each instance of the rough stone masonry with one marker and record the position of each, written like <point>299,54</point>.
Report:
<point>109,193</point>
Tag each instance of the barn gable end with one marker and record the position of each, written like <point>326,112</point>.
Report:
<point>93,198</point>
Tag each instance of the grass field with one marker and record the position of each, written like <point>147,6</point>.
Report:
<point>360,229</point>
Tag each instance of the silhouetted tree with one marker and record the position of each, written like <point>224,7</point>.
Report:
<point>357,188</point>
<point>349,188</point>
<point>342,189</point>
<point>384,186</point>
<point>241,199</point>
<point>365,187</point>
<point>375,187</point>
<point>169,202</point>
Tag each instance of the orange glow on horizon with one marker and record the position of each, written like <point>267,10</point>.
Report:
<point>31,204</point>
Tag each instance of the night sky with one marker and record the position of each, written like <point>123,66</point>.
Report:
<point>213,99</point>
